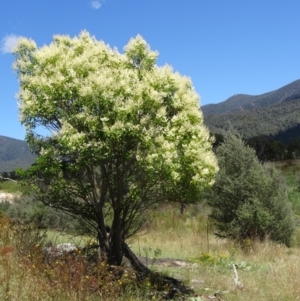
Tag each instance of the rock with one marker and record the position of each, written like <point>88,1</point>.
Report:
<point>6,197</point>
<point>59,250</point>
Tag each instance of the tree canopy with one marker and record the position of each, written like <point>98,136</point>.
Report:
<point>123,133</point>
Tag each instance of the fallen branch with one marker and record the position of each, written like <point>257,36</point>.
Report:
<point>8,179</point>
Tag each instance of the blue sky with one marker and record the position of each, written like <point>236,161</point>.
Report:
<point>226,46</point>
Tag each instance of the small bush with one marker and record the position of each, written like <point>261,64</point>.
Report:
<point>29,211</point>
<point>294,192</point>
<point>24,238</point>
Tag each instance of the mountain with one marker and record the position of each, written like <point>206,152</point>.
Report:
<point>273,113</point>
<point>14,154</point>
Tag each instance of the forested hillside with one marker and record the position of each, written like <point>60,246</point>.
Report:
<point>14,154</point>
<point>275,113</point>
<point>269,120</point>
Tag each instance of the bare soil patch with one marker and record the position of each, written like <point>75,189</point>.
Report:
<point>165,262</point>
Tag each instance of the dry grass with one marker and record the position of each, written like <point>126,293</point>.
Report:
<point>289,167</point>
<point>25,273</point>
<point>268,271</point>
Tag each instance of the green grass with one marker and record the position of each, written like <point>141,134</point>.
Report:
<point>56,237</point>
<point>11,187</point>
<point>293,183</point>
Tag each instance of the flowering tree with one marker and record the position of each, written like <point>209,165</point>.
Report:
<point>123,133</point>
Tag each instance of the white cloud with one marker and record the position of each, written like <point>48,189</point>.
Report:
<point>96,4</point>
<point>8,43</point>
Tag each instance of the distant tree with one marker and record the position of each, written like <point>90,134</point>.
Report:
<point>293,149</point>
<point>218,139</point>
<point>248,199</point>
<point>267,148</point>
<point>124,134</point>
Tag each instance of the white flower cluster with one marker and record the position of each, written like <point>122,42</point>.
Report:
<point>103,98</point>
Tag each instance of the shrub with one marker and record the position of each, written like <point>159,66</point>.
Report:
<point>249,199</point>
<point>29,211</point>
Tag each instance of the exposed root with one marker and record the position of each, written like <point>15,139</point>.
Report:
<point>172,286</point>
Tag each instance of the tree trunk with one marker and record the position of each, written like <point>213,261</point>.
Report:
<point>115,255</point>
<point>169,286</point>
<point>116,240</point>
<point>110,243</point>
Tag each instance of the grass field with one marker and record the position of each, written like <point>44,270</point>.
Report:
<point>267,271</point>
<point>11,187</point>
<point>289,167</point>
